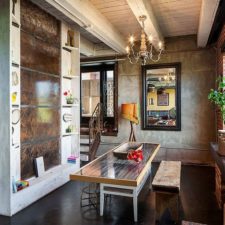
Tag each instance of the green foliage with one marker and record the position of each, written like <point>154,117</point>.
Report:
<point>218,96</point>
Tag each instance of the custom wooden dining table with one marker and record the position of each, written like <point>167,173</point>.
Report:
<point>118,176</point>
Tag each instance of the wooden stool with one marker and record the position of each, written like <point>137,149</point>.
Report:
<point>191,223</point>
<point>166,184</point>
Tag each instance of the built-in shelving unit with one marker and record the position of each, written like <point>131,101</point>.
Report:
<point>70,73</point>
<point>15,147</point>
<point>11,143</point>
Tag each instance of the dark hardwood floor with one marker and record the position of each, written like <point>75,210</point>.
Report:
<point>62,207</point>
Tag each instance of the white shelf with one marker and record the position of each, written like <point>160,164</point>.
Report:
<point>70,77</point>
<point>50,174</point>
<point>15,105</point>
<point>15,20</point>
<point>70,134</point>
<point>70,105</point>
<point>15,64</point>
<point>69,48</point>
<point>16,146</point>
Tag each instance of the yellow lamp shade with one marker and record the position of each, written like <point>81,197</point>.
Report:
<point>129,111</point>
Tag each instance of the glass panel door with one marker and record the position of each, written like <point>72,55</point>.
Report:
<point>90,92</point>
<point>110,93</point>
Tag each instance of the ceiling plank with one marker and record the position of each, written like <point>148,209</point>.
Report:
<point>143,7</point>
<point>87,16</point>
<point>89,49</point>
<point>207,16</point>
<point>86,47</point>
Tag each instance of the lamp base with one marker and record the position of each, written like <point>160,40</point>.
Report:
<point>132,137</point>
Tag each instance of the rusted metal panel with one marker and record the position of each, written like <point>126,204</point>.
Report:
<point>49,149</point>
<point>37,22</point>
<point>40,88</point>
<point>39,123</point>
<point>39,55</point>
<point>40,39</point>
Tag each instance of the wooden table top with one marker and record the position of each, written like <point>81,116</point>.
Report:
<point>110,169</point>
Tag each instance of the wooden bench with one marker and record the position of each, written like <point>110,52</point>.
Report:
<point>166,184</point>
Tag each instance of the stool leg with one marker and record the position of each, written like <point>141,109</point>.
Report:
<point>135,201</point>
<point>150,183</point>
<point>101,199</point>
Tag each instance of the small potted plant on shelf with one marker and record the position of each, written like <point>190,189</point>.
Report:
<point>218,97</point>
<point>69,129</point>
<point>69,97</point>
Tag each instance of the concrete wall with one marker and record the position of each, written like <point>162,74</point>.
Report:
<point>197,116</point>
<point>5,129</point>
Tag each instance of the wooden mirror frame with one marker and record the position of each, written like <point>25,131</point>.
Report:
<point>145,126</point>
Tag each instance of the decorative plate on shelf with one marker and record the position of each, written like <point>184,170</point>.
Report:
<point>15,116</point>
<point>67,117</point>
<point>15,78</point>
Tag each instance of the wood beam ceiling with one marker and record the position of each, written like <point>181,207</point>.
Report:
<point>89,49</point>
<point>88,17</point>
<point>207,16</point>
<point>143,7</point>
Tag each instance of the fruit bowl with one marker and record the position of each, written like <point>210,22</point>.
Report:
<point>125,150</point>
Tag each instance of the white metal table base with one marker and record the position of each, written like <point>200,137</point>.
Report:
<point>127,191</point>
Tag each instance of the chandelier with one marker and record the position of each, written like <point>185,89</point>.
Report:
<point>168,77</point>
<point>146,49</point>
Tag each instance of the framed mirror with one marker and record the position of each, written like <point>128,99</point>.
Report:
<point>161,97</point>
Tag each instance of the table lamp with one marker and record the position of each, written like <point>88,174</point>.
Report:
<point>129,112</point>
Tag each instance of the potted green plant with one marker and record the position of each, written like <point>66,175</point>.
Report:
<point>217,96</point>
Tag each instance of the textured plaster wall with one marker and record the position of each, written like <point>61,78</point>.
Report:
<point>197,113</point>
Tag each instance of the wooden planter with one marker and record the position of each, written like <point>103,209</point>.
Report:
<point>221,142</point>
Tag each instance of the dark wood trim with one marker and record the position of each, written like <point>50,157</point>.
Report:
<point>218,23</point>
<point>177,65</point>
<point>115,130</point>
<point>112,121</point>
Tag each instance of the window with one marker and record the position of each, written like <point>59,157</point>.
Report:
<point>99,84</point>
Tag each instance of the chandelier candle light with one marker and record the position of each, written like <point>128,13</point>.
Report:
<point>146,49</point>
